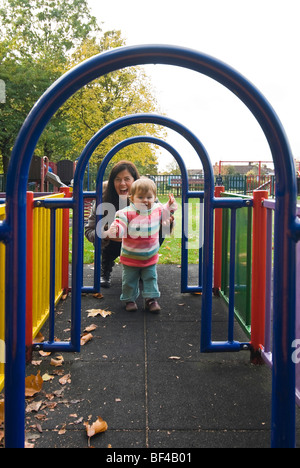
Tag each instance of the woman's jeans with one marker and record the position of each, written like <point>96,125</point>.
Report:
<point>130,283</point>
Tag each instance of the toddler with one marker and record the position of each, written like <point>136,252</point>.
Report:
<point>138,225</point>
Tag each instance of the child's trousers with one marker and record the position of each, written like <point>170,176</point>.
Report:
<point>130,283</point>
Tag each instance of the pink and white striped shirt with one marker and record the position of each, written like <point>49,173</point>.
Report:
<point>139,230</point>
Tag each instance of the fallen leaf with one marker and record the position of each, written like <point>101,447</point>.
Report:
<point>98,296</point>
<point>36,363</point>
<point>95,312</point>
<point>97,427</point>
<point>167,247</point>
<point>65,379</point>
<point>91,328</point>
<point>63,430</point>
<point>33,385</point>
<point>46,377</point>
<point>57,361</point>
<point>39,338</point>
<point>85,338</point>
<point>34,406</point>
<point>44,353</point>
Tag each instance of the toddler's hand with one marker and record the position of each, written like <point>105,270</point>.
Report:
<point>172,203</point>
<point>112,231</point>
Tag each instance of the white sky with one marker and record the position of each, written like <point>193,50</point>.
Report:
<point>259,38</point>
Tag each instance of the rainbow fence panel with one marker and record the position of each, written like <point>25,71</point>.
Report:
<point>38,268</point>
<point>2,302</point>
<point>41,263</point>
<point>266,347</point>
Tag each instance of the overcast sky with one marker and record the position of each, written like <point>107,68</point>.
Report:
<point>259,38</point>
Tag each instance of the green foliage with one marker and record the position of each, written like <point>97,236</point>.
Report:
<point>39,41</point>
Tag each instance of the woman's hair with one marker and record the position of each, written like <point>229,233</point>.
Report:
<point>143,186</point>
<point>110,195</point>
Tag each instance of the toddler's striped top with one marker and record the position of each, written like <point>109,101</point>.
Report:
<point>140,234</point>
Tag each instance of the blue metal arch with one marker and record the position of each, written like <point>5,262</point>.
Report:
<point>287,226</point>
<point>185,196</point>
<point>86,154</point>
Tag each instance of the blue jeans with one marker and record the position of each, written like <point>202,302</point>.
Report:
<point>130,283</point>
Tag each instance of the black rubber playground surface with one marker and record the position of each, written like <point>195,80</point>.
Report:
<point>145,376</point>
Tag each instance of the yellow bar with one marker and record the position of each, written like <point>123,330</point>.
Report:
<point>2,302</point>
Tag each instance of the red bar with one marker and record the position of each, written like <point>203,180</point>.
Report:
<point>65,244</point>
<point>29,277</point>
<point>258,295</point>
<point>218,243</point>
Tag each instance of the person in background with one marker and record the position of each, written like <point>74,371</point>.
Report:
<point>116,192</point>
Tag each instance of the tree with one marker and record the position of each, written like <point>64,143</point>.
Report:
<point>35,39</point>
<point>119,93</point>
<point>39,41</point>
<point>45,29</point>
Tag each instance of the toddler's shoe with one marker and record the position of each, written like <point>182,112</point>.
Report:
<point>152,306</point>
<point>131,306</point>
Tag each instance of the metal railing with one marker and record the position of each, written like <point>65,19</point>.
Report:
<point>38,281</point>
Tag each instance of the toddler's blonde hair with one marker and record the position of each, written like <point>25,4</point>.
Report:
<point>143,185</point>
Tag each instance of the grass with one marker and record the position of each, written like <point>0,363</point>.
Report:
<point>170,251</point>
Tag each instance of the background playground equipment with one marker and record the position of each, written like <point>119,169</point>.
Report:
<point>287,229</point>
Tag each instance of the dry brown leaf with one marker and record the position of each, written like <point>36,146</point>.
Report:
<point>97,427</point>
<point>95,312</point>
<point>65,379</point>
<point>90,328</point>
<point>98,296</point>
<point>85,338</point>
<point>39,338</point>
<point>36,363</point>
<point>34,406</point>
<point>63,430</point>
<point>57,361</point>
<point>46,377</point>
<point>44,353</point>
<point>33,384</point>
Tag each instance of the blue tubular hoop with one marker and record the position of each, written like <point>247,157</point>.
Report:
<point>100,136</point>
<point>287,229</point>
<point>185,193</point>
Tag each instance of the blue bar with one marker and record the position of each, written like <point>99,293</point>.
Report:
<point>55,346</point>
<point>52,276</point>
<point>283,402</point>
<point>58,203</point>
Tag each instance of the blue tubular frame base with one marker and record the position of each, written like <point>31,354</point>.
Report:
<point>283,388</point>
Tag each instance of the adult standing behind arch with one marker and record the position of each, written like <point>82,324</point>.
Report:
<point>121,177</point>
<point>116,192</point>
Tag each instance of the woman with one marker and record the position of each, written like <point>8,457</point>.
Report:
<point>117,191</point>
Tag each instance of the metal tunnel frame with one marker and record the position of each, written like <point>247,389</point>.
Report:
<point>122,122</point>
<point>287,226</point>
